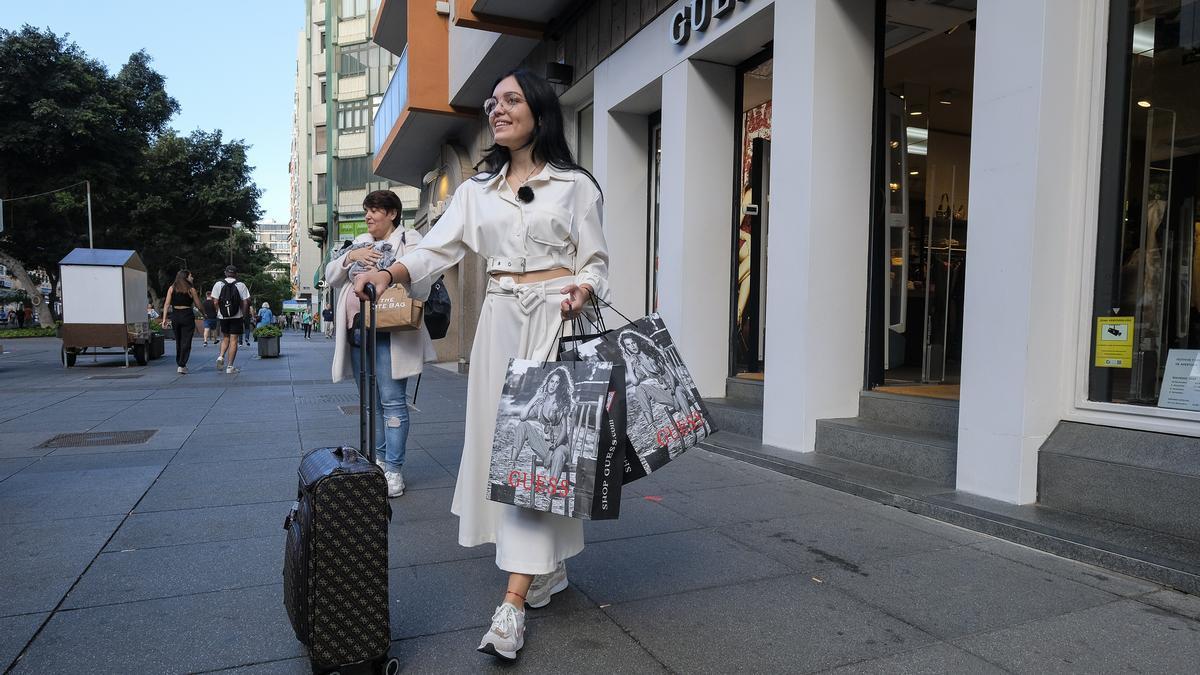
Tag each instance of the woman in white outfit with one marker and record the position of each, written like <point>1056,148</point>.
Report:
<point>535,215</point>
<point>399,355</point>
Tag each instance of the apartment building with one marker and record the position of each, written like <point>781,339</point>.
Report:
<point>278,238</point>
<point>340,80</point>
<point>794,186</point>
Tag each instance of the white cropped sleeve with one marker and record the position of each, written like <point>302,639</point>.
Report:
<point>591,250</point>
<point>443,247</point>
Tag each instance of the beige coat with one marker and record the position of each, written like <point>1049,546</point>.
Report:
<point>410,349</point>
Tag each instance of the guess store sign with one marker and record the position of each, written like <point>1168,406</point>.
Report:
<point>696,15</point>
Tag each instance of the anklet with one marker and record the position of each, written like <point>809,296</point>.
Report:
<point>507,593</point>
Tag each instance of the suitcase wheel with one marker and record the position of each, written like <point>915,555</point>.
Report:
<point>391,666</point>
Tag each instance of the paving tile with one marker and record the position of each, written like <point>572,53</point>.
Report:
<point>37,494</point>
<point>961,591</point>
<point>788,624</point>
<point>39,561</point>
<point>638,518</point>
<point>164,438</point>
<point>422,542</point>
<point>1150,640</point>
<point>185,486</point>
<point>192,633</point>
<point>24,443</point>
<point>746,503</point>
<point>421,475</point>
<point>15,632</point>
<point>839,539</point>
<point>11,465</point>
<point>1113,582</point>
<point>579,642</point>
<point>1174,601</point>
<point>430,599</point>
<point>143,574</point>
<point>299,666</point>
<point>415,505</point>
<point>191,526</point>
<point>938,658</point>
<point>206,450</point>
<point>626,569</point>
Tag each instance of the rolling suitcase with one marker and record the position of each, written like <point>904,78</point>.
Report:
<point>335,582</point>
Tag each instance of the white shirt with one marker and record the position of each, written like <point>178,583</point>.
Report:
<point>216,292</point>
<point>561,227</point>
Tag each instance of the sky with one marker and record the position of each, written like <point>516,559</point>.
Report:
<point>231,65</point>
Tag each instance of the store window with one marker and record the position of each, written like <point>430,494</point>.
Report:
<point>752,222</point>
<point>583,136</point>
<point>652,217</point>
<point>1146,321</point>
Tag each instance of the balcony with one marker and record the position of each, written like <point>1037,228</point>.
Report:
<point>415,116</point>
<point>523,18</point>
<point>391,26</point>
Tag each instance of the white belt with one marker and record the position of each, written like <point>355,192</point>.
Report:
<point>528,296</point>
<point>535,263</point>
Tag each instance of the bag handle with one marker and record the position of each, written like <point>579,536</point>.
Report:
<point>554,343</point>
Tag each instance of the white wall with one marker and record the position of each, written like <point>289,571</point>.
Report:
<point>820,206</point>
<point>93,294</point>
<point>1032,149</point>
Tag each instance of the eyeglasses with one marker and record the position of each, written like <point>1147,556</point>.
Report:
<point>503,104</point>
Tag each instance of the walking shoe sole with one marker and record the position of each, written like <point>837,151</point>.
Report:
<point>489,648</point>
<point>558,588</point>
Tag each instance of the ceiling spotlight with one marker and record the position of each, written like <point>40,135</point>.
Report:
<point>1144,103</point>
<point>914,173</point>
<point>916,113</point>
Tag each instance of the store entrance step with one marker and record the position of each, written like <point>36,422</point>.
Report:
<point>910,411</point>
<point>739,416</point>
<point>924,453</point>
<point>745,389</point>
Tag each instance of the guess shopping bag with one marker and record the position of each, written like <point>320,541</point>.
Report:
<point>665,415</point>
<point>559,439</point>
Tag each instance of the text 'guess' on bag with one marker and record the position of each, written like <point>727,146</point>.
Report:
<point>397,311</point>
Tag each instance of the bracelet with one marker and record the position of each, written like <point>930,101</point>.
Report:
<point>391,279</point>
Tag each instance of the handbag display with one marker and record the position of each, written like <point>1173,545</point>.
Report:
<point>397,311</point>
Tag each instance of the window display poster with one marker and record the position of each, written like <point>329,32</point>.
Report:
<point>1114,342</point>
<point>1181,381</point>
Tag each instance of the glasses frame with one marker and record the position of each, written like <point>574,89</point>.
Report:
<point>507,103</point>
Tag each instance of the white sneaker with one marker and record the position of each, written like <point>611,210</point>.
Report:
<point>507,634</point>
<point>181,370</point>
<point>220,361</point>
<point>395,483</point>
<point>544,586</point>
<point>231,370</point>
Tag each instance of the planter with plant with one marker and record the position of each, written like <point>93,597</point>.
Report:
<point>268,341</point>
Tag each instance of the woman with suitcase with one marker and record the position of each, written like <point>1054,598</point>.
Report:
<point>535,215</point>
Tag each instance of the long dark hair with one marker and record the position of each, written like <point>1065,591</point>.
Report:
<point>181,283</point>
<point>549,142</point>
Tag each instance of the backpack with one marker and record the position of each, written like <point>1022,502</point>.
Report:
<point>230,301</point>
<point>437,310</point>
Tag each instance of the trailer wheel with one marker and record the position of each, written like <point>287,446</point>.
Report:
<point>139,353</point>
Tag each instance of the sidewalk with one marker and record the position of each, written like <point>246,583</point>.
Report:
<point>165,555</point>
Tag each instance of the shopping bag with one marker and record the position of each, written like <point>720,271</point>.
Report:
<point>558,444</point>
<point>665,415</point>
<point>397,311</point>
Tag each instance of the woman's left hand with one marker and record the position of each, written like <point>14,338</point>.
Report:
<point>577,297</point>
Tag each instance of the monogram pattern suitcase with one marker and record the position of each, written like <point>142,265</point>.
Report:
<point>335,559</point>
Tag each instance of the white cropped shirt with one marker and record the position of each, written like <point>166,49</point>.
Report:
<point>561,227</point>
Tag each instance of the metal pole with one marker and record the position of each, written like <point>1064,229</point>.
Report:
<point>89,207</point>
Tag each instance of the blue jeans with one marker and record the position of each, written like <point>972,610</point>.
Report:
<point>391,413</point>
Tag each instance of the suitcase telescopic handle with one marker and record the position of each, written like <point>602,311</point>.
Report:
<point>367,391</point>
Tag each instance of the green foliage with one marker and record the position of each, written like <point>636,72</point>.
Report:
<point>267,331</point>
<point>156,325</point>
<point>64,118</point>
<point>48,331</point>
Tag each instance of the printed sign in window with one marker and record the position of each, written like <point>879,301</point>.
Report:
<point>1114,342</point>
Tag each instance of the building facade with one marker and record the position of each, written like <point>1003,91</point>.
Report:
<point>340,80</point>
<point>795,187</point>
<point>278,238</point>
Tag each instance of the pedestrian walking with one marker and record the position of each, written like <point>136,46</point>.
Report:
<point>327,322</point>
<point>535,215</point>
<point>249,322</point>
<point>306,322</point>
<point>179,317</point>
<point>398,355</point>
<point>265,316</point>
<point>210,318</point>
<point>151,313</point>
<point>25,317</point>
<point>233,302</point>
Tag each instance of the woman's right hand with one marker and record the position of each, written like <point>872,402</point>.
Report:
<point>378,278</point>
<point>366,255</point>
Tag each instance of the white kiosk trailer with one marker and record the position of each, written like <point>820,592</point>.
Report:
<point>104,304</point>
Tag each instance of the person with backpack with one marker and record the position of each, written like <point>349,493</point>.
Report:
<point>233,303</point>
<point>398,355</point>
<point>210,318</point>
